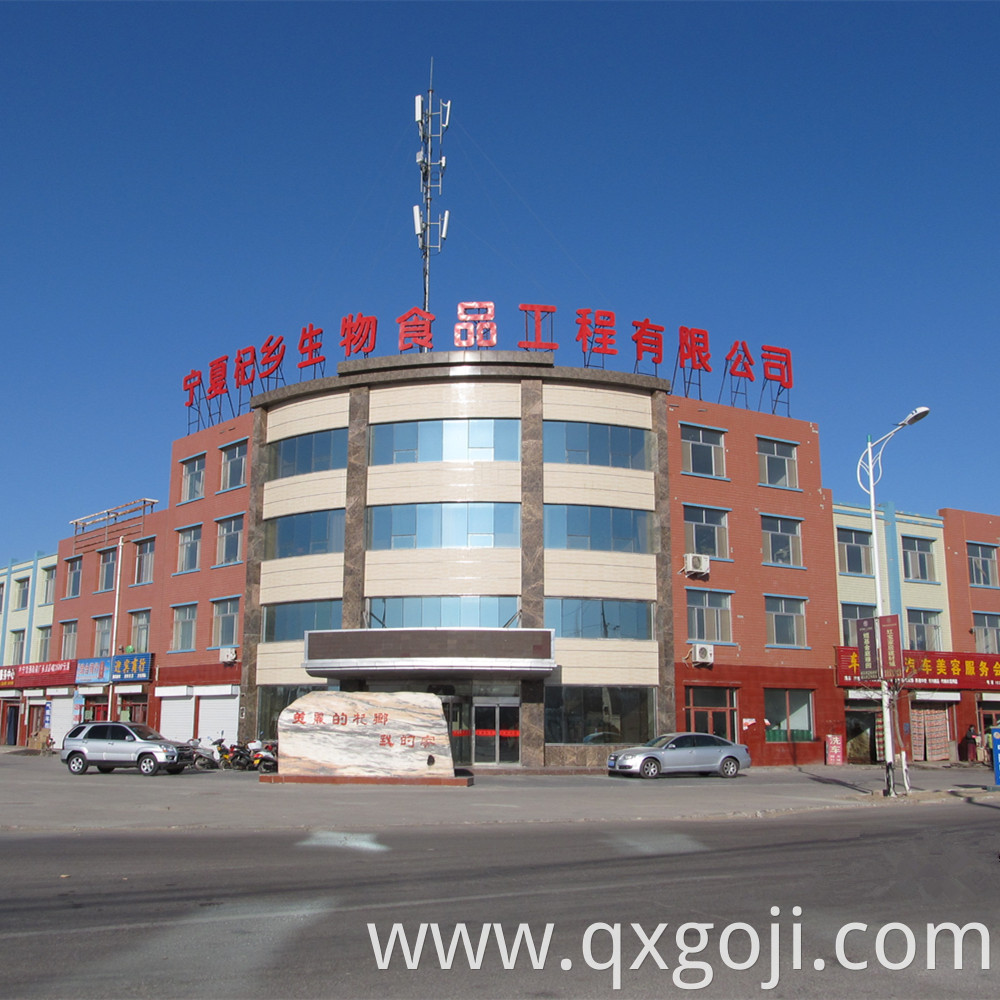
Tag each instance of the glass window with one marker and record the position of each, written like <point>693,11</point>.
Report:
<point>702,452</point>
<point>17,646</point>
<point>48,585</point>
<point>43,643</point>
<point>596,618</point>
<point>309,533</point>
<point>107,560</point>
<point>854,551</point>
<point>306,453</point>
<point>982,564</point>
<point>466,611</point>
<point>69,633</point>
<point>789,717</point>
<point>986,628</point>
<point>225,622</point>
<point>188,549</point>
<point>607,529</point>
<point>777,463</point>
<point>922,629</point>
<point>918,559</point>
<point>102,636</point>
<point>849,615</point>
<point>786,621</point>
<point>472,440</point>
<point>185,619</point>
<point>74,573</point>
<point>782,544</point>
<point>144,552</point>
<point>573,443</point>
<point>234,465</point>
<point>706,531</point>
<point>139,634</point>
<point>444,525</point>
<point>708,616</point>
<point>193,479</point>
<point>1,596</point>
<point>290,622</point>
<point>229,548</point>
<point>21,589</point>
<point>592,714</point>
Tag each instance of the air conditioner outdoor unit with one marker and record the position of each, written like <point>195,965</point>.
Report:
<point>228,654</point>
<point>696,563</point>
<point>703,653</point>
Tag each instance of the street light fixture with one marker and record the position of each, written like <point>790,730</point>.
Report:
<point>870,464</point>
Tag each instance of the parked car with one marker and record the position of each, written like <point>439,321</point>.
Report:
<point>108,745</point>
<point>698,752</point>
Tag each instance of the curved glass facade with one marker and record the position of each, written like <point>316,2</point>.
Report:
<point>444,526</point>
<point>466,611</point>
<point>574,443</point>
<point>594,618</point>
<point>606,529</point>
<point>475,440</point>
<point>306,534</point>
<point>305,453</point>
<point>290,622</point>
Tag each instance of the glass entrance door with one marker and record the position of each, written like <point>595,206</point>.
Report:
<point>497,733</point>
<point>457,714</point>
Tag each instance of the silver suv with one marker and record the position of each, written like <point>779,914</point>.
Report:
<point>108,745</point>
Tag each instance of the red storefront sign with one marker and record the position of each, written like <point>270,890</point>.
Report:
<point>45,674</point>
<point>7,676</point>
<point>953,671</point>
<point>891,646</point>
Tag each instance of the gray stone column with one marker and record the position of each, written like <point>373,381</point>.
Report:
<point>532,565</point>
<point>355,526</point>
<point>666,701</point>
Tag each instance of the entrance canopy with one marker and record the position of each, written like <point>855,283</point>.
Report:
<point>442,652</point>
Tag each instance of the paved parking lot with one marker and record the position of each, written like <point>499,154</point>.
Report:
<point>38,793</point>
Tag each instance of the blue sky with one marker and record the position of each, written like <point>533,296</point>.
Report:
<point>181,180</point>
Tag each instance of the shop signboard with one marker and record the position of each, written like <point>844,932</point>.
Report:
<point>96,670</point>
<point>944,670</point>
<point>131,667</point>
<point>867,650</point>
<point>37,675</point>
<point>890,646</point>
<point>7,676</point>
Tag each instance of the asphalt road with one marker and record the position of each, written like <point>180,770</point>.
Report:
<point>216,886</point>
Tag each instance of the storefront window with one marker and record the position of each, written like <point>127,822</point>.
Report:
<point>788,716</point>
<point>584,714</point>
<point>271,700</point>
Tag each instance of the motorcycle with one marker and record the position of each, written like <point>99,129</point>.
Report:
<point>236,756</point>
<point>265,756</point>
<point>207,760</point>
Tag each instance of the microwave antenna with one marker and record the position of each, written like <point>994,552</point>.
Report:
<point>431,124</point>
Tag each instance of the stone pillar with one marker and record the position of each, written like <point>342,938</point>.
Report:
<point>355,512</point>
<point>666,700</point>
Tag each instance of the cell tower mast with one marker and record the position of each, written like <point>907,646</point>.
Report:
<point>431,125</point>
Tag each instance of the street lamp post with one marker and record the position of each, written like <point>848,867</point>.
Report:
<point>870,464</point>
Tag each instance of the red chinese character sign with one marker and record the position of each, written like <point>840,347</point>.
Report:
<point>341,734</point>
<point>946,671</point>
<point>208,391</point>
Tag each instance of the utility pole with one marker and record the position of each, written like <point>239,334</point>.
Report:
<point>431,125</point>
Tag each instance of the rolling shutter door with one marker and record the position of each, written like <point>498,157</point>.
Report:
<point>177,718</point>
<point>218,715</point>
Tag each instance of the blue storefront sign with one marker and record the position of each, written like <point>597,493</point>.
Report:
<point>93,671</point>
<point>131,667</point>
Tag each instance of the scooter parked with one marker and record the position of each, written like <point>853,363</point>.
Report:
<point>208,760</point>
<point>265,756</point>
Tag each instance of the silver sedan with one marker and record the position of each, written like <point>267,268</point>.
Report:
<point>672,752</point>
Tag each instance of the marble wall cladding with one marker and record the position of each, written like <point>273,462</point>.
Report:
<point>355,515</point>
<point>365,734</point>
<point>532,507</point>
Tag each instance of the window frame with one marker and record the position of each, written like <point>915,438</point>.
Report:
<point>769,462</point>
<point>986,629</point>
<point>145,556</point>
<point>797,617</point>
<point>74,576</point>
<point>779,729</point>
<point>982,564</point>
<point>918,558</point>
<point>719,533</point>
<point>707,621</point>
<point>225,621</point>
<point>192,478</point>
<point>714,450</point>
<point>188,541</point>
<point>225,538</point>
<point>770,540</point>
<point>233,457</point>
<point>184,623</point>
<point>847,547</point>
<point>849,625</point>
